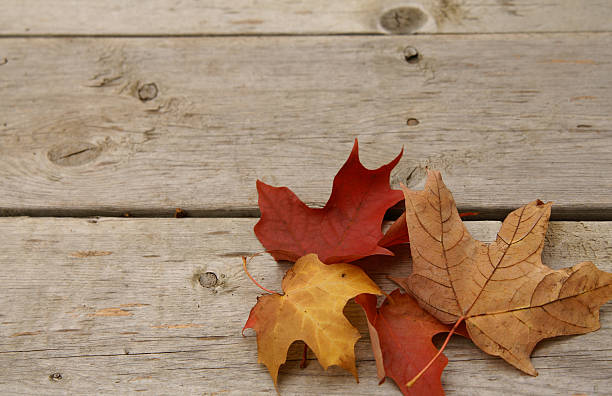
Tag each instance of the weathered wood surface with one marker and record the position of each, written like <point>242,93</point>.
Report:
<point>105,126</point>
<point>170,17</point>
<point>116,306</point>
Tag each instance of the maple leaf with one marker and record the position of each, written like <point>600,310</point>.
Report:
<point>401,333</point>
<point>398,232</point>
<point>346,229</point>
<point>311,311</point>
<point>507,297</point>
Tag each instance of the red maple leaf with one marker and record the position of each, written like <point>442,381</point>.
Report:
<point>401,333</point>
<point>346,229</point>
<point>396,234</point>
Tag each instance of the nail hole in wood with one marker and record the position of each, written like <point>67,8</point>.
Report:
<point>411,54</point>
<point>412,122</point>
<point>55,377</point>
<point>208,279</point>
<point>147,92</point>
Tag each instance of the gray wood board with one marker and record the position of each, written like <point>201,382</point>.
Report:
<point>115,306</point>
<point>106,126</point>
<point>170,17</point>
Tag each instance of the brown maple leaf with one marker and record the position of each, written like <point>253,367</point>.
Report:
<point>311,311</point>
<point>507,297</point>
<point>398,232</point>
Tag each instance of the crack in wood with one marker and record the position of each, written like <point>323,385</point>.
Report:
<point>75,153</point>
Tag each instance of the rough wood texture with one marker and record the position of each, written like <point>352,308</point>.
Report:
<point>148,125</point>
<point>103,306</point>
<point>163,17</point>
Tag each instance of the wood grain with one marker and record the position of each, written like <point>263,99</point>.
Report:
<point>108,126</point>
<point>137,318</point>
<point>218,17</point>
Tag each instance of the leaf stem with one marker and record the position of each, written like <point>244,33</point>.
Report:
<point>389,297</point>
<point>244,266</point>
<point>416,377</point>
<point>304,357</point>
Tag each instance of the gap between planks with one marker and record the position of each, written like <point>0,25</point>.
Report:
<point>297,35</point>
<point>558,214</point>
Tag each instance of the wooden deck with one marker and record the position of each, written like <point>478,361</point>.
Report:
<point>116,107</point>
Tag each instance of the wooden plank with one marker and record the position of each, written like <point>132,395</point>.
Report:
<point>116,306</point>
<point>167,17</point>
<point>105,126</point>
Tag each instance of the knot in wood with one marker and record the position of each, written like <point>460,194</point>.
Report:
<point>403,20</point>
<point>147,92</point>
<point>208,279</point>
<point>74,153</point>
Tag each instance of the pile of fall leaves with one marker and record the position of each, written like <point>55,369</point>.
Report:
<point>500,295</point>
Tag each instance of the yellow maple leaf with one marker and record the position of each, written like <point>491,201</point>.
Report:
<point>311,311</point>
